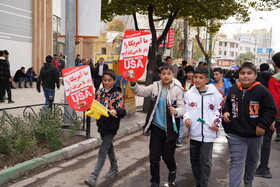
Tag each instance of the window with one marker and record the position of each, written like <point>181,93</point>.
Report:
<point>220,52</point>
<point>225,53</point>
<point>103,50</point>
<point>231,45</point>
<point>247,49</point>
<point>220,43</point>
<point>231,53</point>
<point>236,45</point>
<point>225,44</point>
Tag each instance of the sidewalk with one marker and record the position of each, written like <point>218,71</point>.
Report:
<point>30,96</point>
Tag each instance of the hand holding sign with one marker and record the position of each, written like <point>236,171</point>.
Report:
<point>133,58</point>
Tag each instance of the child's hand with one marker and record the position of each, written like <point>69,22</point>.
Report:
<point>172,110</point>
<point>113,113</point>
<point>188,123</point>
<point>214,127</point>
<point>259,131</point>
<point>226,117</point>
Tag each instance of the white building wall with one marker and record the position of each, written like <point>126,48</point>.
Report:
<point>16,32</point>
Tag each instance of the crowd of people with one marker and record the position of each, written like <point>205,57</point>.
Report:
<point>244,102</point>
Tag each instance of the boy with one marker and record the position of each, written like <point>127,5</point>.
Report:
<point>250,109</point>
<point>110,97</point>
<point>203,117</point>
<point>166,105</point>
<point>222,84</point>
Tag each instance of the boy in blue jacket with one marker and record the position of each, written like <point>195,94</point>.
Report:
<point>250,109</point>
<point>203,118</point>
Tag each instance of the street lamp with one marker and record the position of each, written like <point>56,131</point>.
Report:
<point>270,36</point>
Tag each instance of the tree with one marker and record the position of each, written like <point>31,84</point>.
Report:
<point>117,24</point>
<point>198,14</point>
<point>243,57</point>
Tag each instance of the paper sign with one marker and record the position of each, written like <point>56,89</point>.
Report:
<point>78,87</point>
<point>133,58</point>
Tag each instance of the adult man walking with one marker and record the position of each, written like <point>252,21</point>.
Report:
<point>100,68</point>
<point>5,78</point>
<point>49,76</point>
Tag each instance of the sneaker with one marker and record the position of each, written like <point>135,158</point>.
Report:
<point>277,139</point>
<point>25,87</point>
<point>178,143</point>
<point>172,177</point>
<point>154,184</point>
<point>248,183</point>
<point>112,173</point>
<point>91,181</point>
<point>10,101</point>
<point>263,172</point>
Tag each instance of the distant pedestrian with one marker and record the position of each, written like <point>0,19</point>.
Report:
<point>5,78</point>
<point>19,77</point>
<point>61,64</point>
<point>110,97</point>
<point>203,118</point>
<point>78,60</point>
<point>250,109</point>
<point>55,62</point>
<point>100,67</point>
<point>163,119</point>
<point>48,77</point>
<point>31,76</point>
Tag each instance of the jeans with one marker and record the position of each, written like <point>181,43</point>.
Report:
<point>265,149</point>
<point>243,151</point>
<point>5,85</point>
<point>48,92</point>
<point>181,130</point>
<point>159,147</point>
<point>201,161</point>
<point>20,79</point>
<point>30,80</point>
<point>105,148</point>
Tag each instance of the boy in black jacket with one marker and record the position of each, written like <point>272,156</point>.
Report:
<point>250,109</point>
<point>110,97</point>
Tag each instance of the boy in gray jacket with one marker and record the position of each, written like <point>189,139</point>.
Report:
<point>163,119</point>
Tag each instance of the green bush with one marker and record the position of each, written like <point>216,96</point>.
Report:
<point>20,137</point>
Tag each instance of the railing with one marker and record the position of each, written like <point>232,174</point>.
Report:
<point>33,110</point>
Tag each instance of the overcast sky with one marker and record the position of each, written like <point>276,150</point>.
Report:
<point>270,19</point>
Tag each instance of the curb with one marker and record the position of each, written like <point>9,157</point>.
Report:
<point>14,172</point>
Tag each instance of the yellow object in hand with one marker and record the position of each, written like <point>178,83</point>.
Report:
<point>96,110</point>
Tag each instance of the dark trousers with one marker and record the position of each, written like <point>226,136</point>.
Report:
<point>265,149</point>
<point>6,85</point>
<point>106,148</point>
<point>201,161</point>
<point>159,147</point>
<point>97,82</point>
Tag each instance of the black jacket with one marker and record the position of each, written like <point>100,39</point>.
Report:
<point>248,110</point>
<point>4,69</point>
<point>112,100</point>
<point>263,77</point>
<point>96,72</point>
<point>18,74</point>
<point>48,76</point>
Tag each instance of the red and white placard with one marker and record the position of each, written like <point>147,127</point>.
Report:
<point>78,87</point>
<point>134,53</point>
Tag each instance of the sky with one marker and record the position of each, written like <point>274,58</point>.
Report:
<point>270,19</point>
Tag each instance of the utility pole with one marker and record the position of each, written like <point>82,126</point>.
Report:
<point>70,31</point>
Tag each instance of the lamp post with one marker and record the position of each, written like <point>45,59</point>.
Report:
<point>270,37</point>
